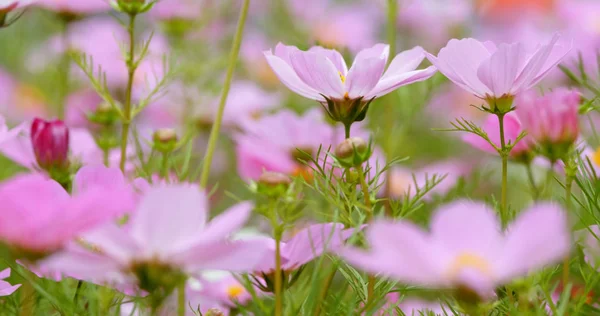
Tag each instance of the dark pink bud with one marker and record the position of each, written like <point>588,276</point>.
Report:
<point>50,140</point>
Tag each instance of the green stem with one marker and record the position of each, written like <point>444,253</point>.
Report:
<point>568,187</point>
<point>392,13</point>
<point>347,130</point>
<point>131,67</point>
<point>278,280</point>
<point>27,299</point>
<point>181,299</point>
<point>504,155</point>
<point>106,157</point>
<point>214,133</point>
<point>164,170</point>
<point>549,177</point>
<point>365,190</point>
<point>534,189</point>
<point>325,289</point>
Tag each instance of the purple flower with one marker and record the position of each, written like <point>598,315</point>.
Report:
<point>493,72</point>
<point>50,140</point>
<point>321,74</point>
<point>465,247</point>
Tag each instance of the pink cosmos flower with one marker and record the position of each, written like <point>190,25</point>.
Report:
<point>75,6</point>
<point>512,130</point>
<point>39,217</point>
<point>169,228</point>
<point>225,290</point>
<point>492,72</point>
<point>271,143</point>
<point>5,287</point>
<point>465,247</point>
<point>305,246</point>
<point>552,118</point>
<point>321,74</point>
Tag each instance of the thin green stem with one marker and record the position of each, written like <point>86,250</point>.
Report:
<point>365,190</point>
<point>278,280</point>
<point>65,69</point>
<point>549,177</point>
<point>534,189</point>
<point>27,299</point>
<point>392,13</point>
<point>568,186</point>
<point>181,305</point>
<point>214,133</point>
<point>325,289</point>
<point>504,155</point>
<point>106,157</point>
<point>131,67</point>
<point>347,130</point>
<point>164,170</point>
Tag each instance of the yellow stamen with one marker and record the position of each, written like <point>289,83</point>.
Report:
<point>596,157</point>
<point>234,291</point>
<point>469,260</point>
<point>342,77</point>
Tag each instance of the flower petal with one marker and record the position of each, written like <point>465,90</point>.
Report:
<point>318,72</point>
<point>407,60</point>
<point>336,58</point>
<point>392,83</point>
<point>230,221</point>
<point>290,79</point>
<point>364,76</point>
<point>499,72</point>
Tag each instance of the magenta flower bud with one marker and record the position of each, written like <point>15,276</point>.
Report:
<point>551,120</point>
<point>50,140</point>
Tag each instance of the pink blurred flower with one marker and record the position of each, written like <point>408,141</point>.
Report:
<point>321,74</point>
<point>305,246</point>
<point>177,9</point>
<point>552,118</point>
<point>512,130</point>
<point>9,134</point>
<point>50,140</point>
<point>409,306</point>
<point>454,102</point>
<point>226,290</point>
<point>5,287</point>
<point>465,247</point>
<point>75,6</point>
<point>491,72</point>
<point>271,143</point>
<point>169,228</point>
<point>591,245</point>
<point>402,181</point>
<point>39,216</point>
<point>79,105</point>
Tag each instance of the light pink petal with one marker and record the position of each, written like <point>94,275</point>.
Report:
<point>537,66</point>
<point>5,273</point>
<point>500,71</point>
<point>400,250</point>
<point>7,289</point>
<point>540,236</point>
<point>392,83</point>
<point>364,76</point>
<point>319,73</point>
<point>336,58</point>
<point>311,242</point>
<point>459,61</point>
<point>19,150</point>
<point>168,217</point>
<point>98,176</point>
<point>238,256</point>
<point>230,221</point>
<point>80,263</point>
<point>288,77</point>
<point>406,61</point>
<point>113,241</point>
<point>465,226</point>
<point>380,51</point>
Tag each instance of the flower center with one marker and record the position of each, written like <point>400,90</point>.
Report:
<point>596,157</point>
<point>469,260</point>
<point>342,77</point>
<point>234,291</point>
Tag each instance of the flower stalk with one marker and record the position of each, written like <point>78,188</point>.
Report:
<point>504,153</point>
<point>127,110</point>
<point>278,279</point>
<point>214,133</point>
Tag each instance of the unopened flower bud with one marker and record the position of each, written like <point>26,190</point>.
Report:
<point>273,183</point>
<point>353,152</point>
<point>347,110</point>
<point>214,312</point>
<point>165,140</point>
<point>50,141</point>
<point>132,6</point>
<point>104,115</point>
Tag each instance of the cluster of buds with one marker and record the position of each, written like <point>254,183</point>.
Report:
<point>132,7</point>
<point>353,152</point>
<point>551,121</point>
